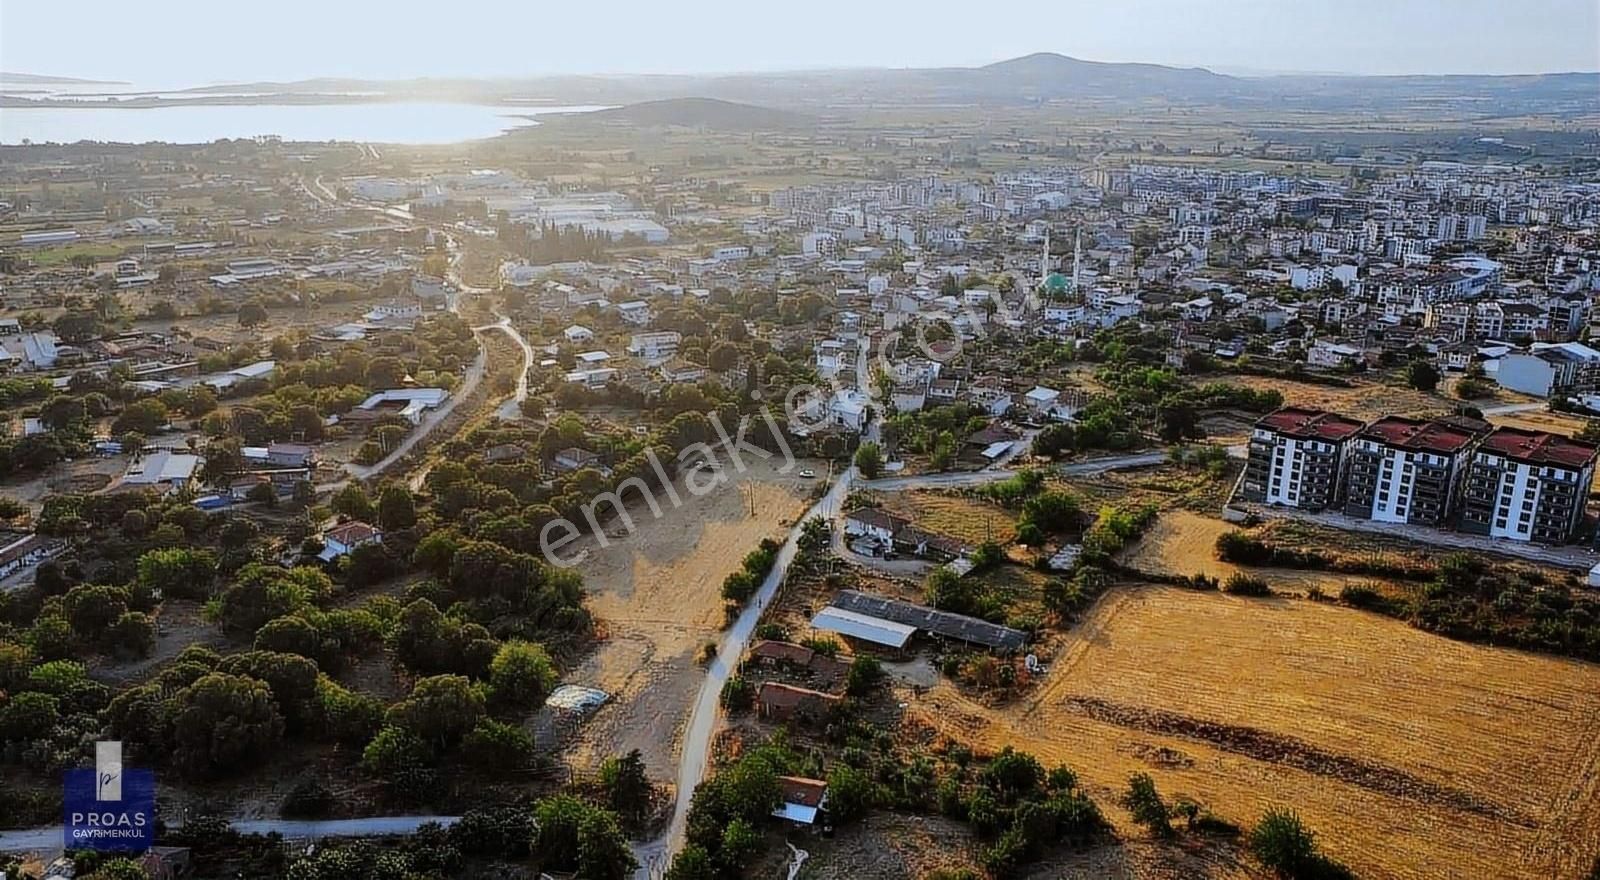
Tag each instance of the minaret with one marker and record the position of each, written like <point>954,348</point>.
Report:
<point>1077,261</point>
<point>1044,261</point>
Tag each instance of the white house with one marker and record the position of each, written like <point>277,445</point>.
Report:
<point>578,333</point>
<point>413,402</point>
<point>659,345</point>
<point>343,539</point>
<point>636,313</point>
<point>170,469</point>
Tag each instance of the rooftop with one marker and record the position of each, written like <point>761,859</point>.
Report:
<point>1539,447</point>
<point>1309,424</point>
<point>1426,436</point>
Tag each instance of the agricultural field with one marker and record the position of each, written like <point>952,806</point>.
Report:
<point>1412,756</point>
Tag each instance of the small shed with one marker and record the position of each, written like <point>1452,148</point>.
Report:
<point>860,626</point>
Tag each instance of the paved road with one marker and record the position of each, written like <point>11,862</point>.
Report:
<point>1505,409</point>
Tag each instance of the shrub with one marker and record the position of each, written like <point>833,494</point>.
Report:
<point>1241,584</point>
<point>1144,802</point>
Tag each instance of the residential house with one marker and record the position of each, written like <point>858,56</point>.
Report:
<point>343,539</point>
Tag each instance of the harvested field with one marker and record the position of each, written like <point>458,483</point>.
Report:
<point>657,594</point>
<point>1183,542</point>
<point>1366,401</point>
<point>1411,755</point>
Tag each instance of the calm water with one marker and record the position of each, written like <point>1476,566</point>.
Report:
<point>391,123</point>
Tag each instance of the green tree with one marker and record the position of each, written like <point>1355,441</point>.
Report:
<point>1284,844</point>
<point>396,510</point>
<point>224,723</point>
<point>869,460</point>
<point>627,788</point>
<point>603,850</point>
<point>252,314</point>
<point>1422,375</point>
<point>521,674</point>
<point>440,710</point>
<point>352,501</point>
<point>1144,802</point>
<point>29,716</point>
<point>178,573</point>
<point>851,793</point>
<point>495,747</point>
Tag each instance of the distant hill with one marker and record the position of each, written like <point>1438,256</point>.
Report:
<point>34,79</point>
<point>712,113</point>
<point>1047,74</point>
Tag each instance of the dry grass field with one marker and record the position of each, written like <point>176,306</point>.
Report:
<point>968,520</point>
<point>1412,756</point>
<point>658,594</point>
<point>1184,542</point>
<point>1365,401</point>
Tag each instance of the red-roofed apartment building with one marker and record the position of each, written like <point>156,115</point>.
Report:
<point>1527,486</point>
<point>1407,470</point>
<point>1297,458</point>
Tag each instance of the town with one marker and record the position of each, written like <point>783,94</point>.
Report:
<point>827,486</point>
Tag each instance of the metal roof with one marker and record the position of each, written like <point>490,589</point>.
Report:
<point>942,623</point>
<point>864,627</point>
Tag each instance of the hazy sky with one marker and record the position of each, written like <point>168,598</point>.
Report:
<point>185,42</point>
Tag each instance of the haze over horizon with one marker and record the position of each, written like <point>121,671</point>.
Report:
<point>186,45</point>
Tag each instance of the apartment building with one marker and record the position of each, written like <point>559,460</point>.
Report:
<point>1297,458</point>
<point>1405,470</point>
<point>1527,486</point>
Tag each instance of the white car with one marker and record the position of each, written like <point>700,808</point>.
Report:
<point>807,473</point>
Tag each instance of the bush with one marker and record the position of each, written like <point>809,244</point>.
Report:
<point>865,673</point>
<point>1241,584</point>
<point>737,694</point>
<point>1283,843</point>
<point>1144,802</point>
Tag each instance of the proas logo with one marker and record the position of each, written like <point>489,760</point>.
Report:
<point>109,807</point>
<point>108,771</point>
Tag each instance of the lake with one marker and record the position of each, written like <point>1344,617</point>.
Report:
<point>387,123</point>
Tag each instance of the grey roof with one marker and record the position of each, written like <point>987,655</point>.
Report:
<point>942,623</point>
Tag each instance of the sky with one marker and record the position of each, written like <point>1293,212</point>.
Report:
<point>172,43</point>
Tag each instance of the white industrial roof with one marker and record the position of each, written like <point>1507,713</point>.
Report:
<point>861,626</point>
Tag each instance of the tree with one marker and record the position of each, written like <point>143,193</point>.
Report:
<point>603,850</point>
<point>558,819</point>
<point>385,372</point>
<point>495,747</point>
<point>117,869</point>
<point>61,412</point>
<point>252,314</point>
<point>145,417</point>
<point>851,793</point>
<point>178,572</point>
<point>1283,843</point>
<point>28,716</point>
<point>394,751</point>
<point>352,501</point>
<point>869,460</point>
<point>948,591</point>
<point>865,673</point>
<point>722,357</point>
<point>262,592</point>
<point>224,722</point>
<point>521,674</point>
<point>132,634</point>
<point>439,711</point>
<point>692,863</point>
<point>1422,376</point>
<point>1144,802</point>
<point>627,788</point>
<point>396,510</point>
